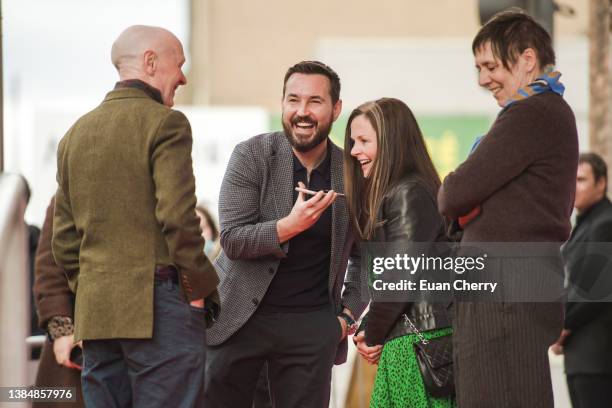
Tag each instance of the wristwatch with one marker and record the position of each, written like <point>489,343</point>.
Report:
<point>351,325</point>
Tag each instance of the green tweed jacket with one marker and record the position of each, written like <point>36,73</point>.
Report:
<point>124,205</point>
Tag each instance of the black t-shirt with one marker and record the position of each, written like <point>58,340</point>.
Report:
<point>301,281</point>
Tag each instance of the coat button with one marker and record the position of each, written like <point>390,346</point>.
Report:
<point>271,270</point>
<point>255,302</point>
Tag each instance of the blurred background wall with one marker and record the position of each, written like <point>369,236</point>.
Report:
<point>243,47</point>
<point>57,67</point>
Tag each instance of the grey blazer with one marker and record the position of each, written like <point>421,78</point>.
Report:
<point>256,192</point>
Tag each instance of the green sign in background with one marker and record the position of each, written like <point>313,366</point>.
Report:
<point>449,137</point>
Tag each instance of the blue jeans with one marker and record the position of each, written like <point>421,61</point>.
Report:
<point>164,371</point>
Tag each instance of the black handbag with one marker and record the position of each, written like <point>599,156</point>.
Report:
<point>435,360</point>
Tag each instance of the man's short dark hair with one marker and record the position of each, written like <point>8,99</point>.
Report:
<point>598,165</point>
<point>316,67</point>
<point>510,33</point>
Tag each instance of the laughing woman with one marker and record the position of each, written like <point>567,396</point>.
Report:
<point>391,186</point>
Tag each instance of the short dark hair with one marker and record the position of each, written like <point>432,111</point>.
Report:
<point>598,165</point>
<point>510,33</point>
<point>316,67</point>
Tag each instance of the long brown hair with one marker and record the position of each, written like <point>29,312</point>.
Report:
<point>401,150</point>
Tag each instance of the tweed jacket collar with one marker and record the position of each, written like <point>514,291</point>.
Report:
<point>138,84</point>
<point>127,93</point>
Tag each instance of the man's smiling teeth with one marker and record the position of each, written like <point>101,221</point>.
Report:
<point>304,125</point>
<point>495,90</point>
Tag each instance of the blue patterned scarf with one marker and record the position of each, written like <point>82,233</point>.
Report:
<point>547,82</point>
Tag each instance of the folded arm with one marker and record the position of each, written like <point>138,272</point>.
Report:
<point>506,151</point>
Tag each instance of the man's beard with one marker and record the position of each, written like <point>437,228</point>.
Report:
<point>306,146</point>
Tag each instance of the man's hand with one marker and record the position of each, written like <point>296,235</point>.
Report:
<point>344,327</point>
<point>199,303</point>
<point>62,346</point>
<point>370,354</point>
<point>557,347</point>
<point>303,214</point>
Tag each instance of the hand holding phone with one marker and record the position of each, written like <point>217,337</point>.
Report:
<point>305,212</point>
<point>311,192</point>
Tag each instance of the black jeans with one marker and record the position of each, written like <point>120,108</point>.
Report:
<point>262,398</point>
<point>299,348</point>
<point>164,371</point>
<point>590,390</point>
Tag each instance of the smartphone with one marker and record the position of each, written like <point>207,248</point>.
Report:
<point>310,192</point>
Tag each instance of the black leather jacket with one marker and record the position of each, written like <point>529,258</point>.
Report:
<point>411,214</point>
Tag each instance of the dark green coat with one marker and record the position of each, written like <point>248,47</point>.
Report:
<point>125,204</point>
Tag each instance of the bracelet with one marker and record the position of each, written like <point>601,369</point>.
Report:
<point>349,320</point>
<point>351,325</point>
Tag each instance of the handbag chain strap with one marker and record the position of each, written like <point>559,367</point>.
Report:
<point>408,322</point>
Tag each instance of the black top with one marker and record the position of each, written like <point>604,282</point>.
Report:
<point>301,281</point>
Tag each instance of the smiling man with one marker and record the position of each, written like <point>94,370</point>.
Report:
<point>516,186</point>
<point>126,233</point>
<point>285,256</point>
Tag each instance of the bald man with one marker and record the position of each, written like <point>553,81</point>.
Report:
<point>126,232</point>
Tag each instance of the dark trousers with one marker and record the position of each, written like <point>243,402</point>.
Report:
<point>299,348</point>
<point>590,390</point>
<point>262,397</point>
<point>164,371</point>
<point>500,354</point>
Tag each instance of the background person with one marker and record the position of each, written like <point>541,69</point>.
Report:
<point>210,232</point>
<point>586,340</point>
<point>55,309</point>
<point>391,186</point>
<point>516,186</point>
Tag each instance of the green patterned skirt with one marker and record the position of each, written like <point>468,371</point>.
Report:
<point>398,381</point>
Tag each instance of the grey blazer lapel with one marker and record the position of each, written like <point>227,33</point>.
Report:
<point>281,174</point>
<point>339,217</point>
